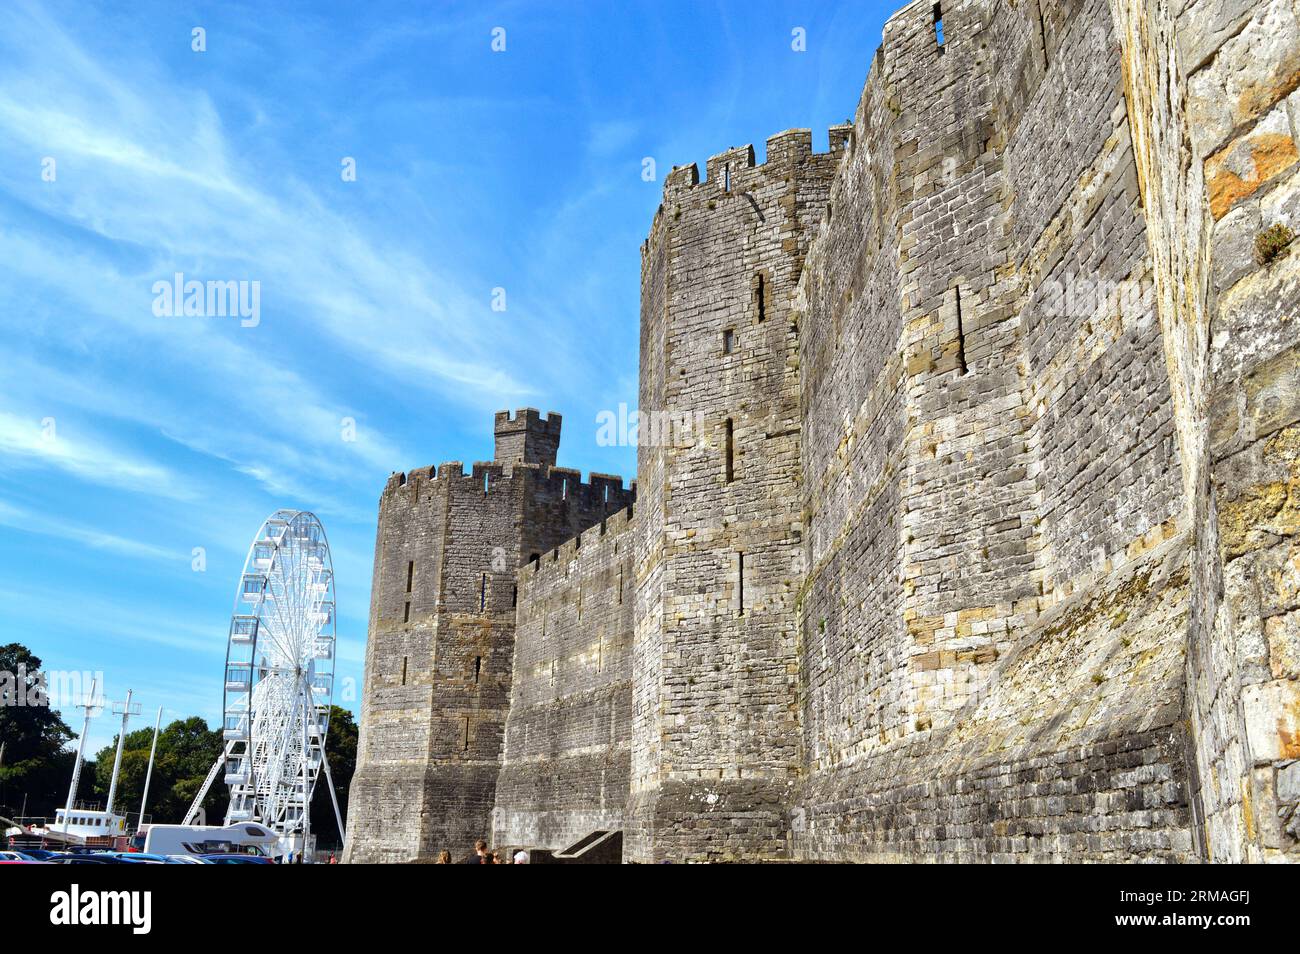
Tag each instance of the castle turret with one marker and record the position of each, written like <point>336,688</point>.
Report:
<point>527,438</point>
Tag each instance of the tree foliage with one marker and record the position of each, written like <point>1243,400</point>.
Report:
<point>38,762</point>
<point>36,768</point>
<point>186,750</point>
<point>341,749</point>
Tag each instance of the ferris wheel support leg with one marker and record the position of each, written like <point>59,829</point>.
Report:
<point>197,804</point>
<point>306,792</point>
<point>329,782</point>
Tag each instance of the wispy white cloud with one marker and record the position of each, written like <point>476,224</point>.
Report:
<point>43,524</point>
<point>230,402</point>
<point>155,167</point>
<point>45,443</point>
<point>153,179</point>
<point>114,626</point>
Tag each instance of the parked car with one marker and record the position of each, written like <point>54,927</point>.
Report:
<point>138,858</point>
<point>9,855</point>
<point>73,858</point>
<point>39,854</point>
<point>231,858</point>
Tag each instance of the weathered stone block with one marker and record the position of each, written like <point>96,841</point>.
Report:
<point>1283,633</point>
<point>1241,167</point>
<point>1272,713</point>
<point>1249,73</point>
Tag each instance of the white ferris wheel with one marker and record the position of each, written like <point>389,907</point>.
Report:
<point>279,679</point>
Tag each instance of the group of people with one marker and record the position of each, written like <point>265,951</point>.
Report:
<point>482,856</point>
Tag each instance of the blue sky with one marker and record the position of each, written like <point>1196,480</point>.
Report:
<point>129,439</point>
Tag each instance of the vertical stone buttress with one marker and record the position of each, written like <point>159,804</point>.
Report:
<point>715,714</point>
<point>967,477</point>
<point>1211,92</point>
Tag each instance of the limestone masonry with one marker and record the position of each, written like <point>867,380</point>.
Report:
<point>974,531</point>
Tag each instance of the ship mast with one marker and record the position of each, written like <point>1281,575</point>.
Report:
<point>88,704</point>
<point>127,711</point>
<point>148,775</point>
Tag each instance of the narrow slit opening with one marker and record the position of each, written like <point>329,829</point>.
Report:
<point>740,583</point>
<point>729,472</point>
<point>961,334</point>
<point>1042,33</point>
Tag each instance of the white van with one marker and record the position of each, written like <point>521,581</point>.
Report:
<point>246,838</point>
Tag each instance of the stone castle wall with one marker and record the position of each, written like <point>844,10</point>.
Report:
<point>1214,87</point>
<point>995,519</point>
<point>567,754</point>
<point>976,537</point>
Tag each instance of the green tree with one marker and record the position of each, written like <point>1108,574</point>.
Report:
<point>341,748</point>
<point>36,766</point>
<point>186,750</point>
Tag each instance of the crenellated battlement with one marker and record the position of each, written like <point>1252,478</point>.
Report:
<point>735,169</point>
<point>497,477</point>
<point>730,162</point>
<point>528,418</point>
<point>556,560</point>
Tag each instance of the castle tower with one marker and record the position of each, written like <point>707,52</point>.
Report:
<point>441,640</point>
<point>715,749</point>
<point>527,438</point>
